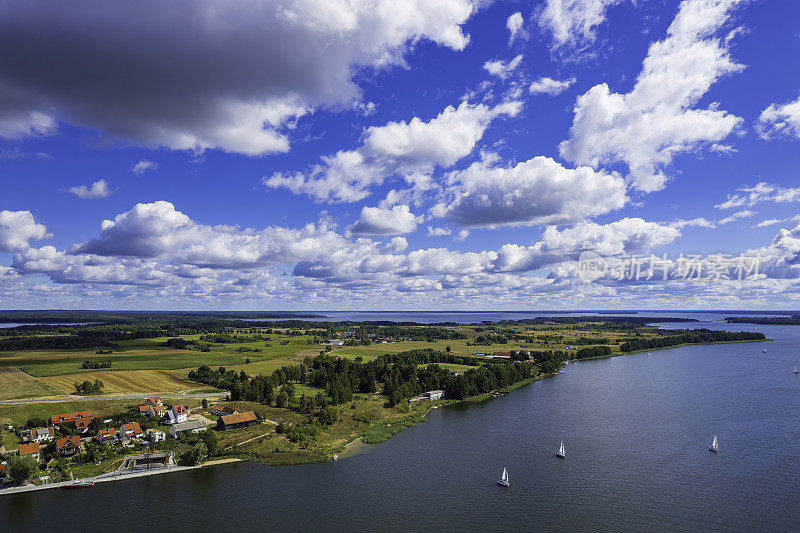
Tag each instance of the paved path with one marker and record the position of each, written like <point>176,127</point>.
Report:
<point>131,397</point>
<point>110,476</point>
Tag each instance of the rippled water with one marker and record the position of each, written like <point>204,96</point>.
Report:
<point>636,428</point>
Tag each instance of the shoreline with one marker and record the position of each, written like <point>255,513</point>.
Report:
<point>109,477</point>
<point>355,446</point>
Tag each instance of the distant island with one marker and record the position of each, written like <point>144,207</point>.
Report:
<point>215,387</point>
<point>793,320</point>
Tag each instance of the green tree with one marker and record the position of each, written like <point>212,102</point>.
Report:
<point>20,469</point>
<point>35,422</point>
<point>328,415</point>
<point>204,403</point>
<point>282,400</point>
<point>199,452</point>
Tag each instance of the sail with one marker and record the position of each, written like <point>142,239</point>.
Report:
<point>561,449</point>
<point>714,444</point>
<point>504,477</point>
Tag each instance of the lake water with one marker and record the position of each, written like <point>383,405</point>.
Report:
<point>470,317</point>
<point>636,428</point>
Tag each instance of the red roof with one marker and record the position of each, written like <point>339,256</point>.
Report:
<point>108,432</point>
<point>28,449</point>
<point>70,417</point>
<point>131,429</point>
<point>239,418</point>
<point>60,443</point>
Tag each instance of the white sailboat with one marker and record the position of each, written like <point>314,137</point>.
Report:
<point>561,453</point>
<point>713,446</point>
<point>795,370</point>
<point>503,481</point>
<point>764,350</point>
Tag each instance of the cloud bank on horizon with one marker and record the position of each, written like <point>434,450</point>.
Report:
<point>339,154</point>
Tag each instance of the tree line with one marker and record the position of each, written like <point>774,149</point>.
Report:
<point>694,336</point>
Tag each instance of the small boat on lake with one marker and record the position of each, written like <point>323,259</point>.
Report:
<point>335,456</point>
<point>795,370</point>
<point>713,446</point>
<point>764,350</point>
<point>561,452</point>
<point>503,481</point>
<point>80,483</point>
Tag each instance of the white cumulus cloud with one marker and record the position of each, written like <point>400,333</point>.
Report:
<point>502,69</point>
<point>17,228</point>
<point>143,166</point>
<point>98,189</point>
<point>382,221</point>
<point>514,23</point>
<point>537,191</point>
<point>780,120</point>
<point>550,86</point>
<point>410,149</point>
<point>648,126</point>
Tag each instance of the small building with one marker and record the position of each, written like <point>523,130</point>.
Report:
<point>66,418</point>
<point>195,426</point>
<point>130,430</point>
<point>30,450</point>
<point>154,401</point>
<point>334,342</point>
<point>155,435</point>
<point>177,414</point>
<point>2,471</point>
<point>82,423</point>
<point>38,434</point>
<point>68,446</point>
<point>238,420</point>
<point>106,436</point>
<point>152,410</point>
<point>434,395</point>
<point>147,461</point>
<point>222,410</point>
<point>501,355</point>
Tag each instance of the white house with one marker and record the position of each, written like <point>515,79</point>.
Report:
<point>195,426</point>
<point>177,414</point>
<point>221,410</point>
<point>154,435</point>
<point>38,434</point>
<point>105,436</point>
<point>434,395</point>
<point>130,430</point>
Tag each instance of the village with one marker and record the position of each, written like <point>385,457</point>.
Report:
<point>52,451</point>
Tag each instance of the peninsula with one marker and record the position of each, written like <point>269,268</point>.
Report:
<point>102,391</point>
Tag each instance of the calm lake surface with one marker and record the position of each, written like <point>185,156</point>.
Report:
<point>636,428</point>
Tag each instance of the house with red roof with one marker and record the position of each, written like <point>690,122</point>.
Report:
<point>30,450</point>
<point>177,414</point>
<point>68,446</point>
<point>130,430</point>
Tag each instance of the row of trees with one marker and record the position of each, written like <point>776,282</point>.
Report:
<point>404,375</point>
<point>89,387</point>
<point>694,336</point>
<point>96,364</point>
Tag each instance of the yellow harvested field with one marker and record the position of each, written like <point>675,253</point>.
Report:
<point>10,374</point>
<point>16,384</point>
<point>126,381</point>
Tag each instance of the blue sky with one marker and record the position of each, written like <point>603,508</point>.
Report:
<point>399,155</point>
